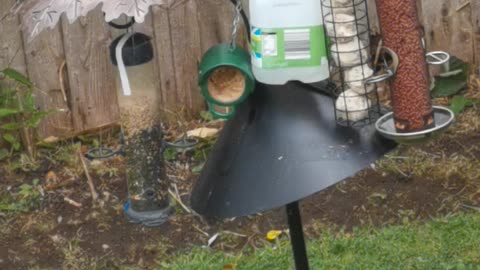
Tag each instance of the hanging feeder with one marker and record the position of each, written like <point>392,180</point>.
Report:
<point>226,78</point>
<point>413,119</point>
<point>148,199</point>
<point>353,71</point>
<point>225,75</point>
<point>288,42</point>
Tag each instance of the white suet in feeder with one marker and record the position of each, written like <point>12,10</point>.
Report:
<point>350,106</point>
<point>344,26</point>
<point>341,3</point>
<point>355,77</point>
<point>349,53</point>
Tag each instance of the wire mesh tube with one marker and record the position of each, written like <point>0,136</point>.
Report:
<point>148,201</point>
<point>402,33</point>
<point>348,32</point>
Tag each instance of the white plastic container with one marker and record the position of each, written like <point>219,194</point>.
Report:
<point>288,41</point>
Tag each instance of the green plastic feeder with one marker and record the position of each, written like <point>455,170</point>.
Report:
<point>226,78</point>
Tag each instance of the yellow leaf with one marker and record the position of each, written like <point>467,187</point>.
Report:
<point>203,132</point>
<point>274,234</point>
<point>230,266</point>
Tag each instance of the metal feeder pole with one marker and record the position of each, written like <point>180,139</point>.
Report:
<point>296,236</point>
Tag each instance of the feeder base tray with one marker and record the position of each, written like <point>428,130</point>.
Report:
<point>443,119</point>
<point>147,218</point>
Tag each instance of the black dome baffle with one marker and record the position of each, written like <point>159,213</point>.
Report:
<point>282,145</point>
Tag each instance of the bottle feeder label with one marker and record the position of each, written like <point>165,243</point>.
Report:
<point>288,48</point>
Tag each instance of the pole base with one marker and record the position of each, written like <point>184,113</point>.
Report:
<point>148,218</point>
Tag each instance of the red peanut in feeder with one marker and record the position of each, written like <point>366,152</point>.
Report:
<point>401,31</point>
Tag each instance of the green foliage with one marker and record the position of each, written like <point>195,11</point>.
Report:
<point>18,112</point>
<point>451,83</point>
<point>26,198</point>
<point>201,152</point>
<point>206,116</point>
<point>17,76</point>
<point>440,244</point>
<point>460,103</point>
<point>170,154</point>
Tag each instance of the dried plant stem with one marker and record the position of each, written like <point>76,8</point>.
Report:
<point>89,179</point>
<point>179,201</point>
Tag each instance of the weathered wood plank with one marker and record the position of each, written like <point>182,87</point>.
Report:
<point>448,27</point>
<point>185,34</point>
<point>215,21</point>
<point>11,44</point>
<point>44,58</point>
<point>475,8</point>
<point>93,94</point>
<point>165,61</point>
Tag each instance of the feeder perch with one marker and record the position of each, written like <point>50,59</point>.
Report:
<point>444,118</point>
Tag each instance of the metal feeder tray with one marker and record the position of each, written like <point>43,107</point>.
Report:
<point>444,118</point>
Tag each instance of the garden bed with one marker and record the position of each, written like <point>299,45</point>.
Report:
<point>409,186</point>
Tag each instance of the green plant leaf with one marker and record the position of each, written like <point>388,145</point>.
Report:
<point>29,103</point>
<point>11,126</point>
<point>16,146</point>
<point>198,169</point>
<point>459,103</point>
<point>4,153</point>
<point>170,154</point>
<point>36,118</point>
<point>449,85</point>
<point>4,112</point>
<point>17,76</point>
<point>9,138</point>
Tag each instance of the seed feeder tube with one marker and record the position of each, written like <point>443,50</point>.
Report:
<point>148,201</point>
<point>401,32</point>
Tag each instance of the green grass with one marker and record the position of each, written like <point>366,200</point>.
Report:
<point>448,243</point>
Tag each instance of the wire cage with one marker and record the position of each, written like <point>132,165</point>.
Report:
<point>357,101</point>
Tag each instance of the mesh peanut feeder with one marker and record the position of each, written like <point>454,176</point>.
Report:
<point>402,33</point>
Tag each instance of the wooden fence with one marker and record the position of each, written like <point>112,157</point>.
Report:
<point>70,64</point>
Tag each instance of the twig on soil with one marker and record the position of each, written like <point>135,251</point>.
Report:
<point>89,179</point>
<point>234,234</point>
<point>201,231</point>
<point>471,207</point>
<point>72,202</point>
<point>399,170</point>
<point>179,201</point>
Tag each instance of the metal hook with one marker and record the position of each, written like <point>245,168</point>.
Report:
<point>380,78</point>
<point>236,21</point>
<point>390,70</point>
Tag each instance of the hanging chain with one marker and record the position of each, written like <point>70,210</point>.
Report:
<point>236,21</point>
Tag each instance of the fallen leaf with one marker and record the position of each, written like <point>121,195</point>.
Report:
<point>212,240</point>
<point>230,266</point>
<point>274,234</point>
<point>203,132</point>
<point>51,139</point>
